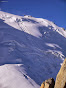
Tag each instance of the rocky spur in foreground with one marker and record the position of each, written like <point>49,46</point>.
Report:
<point>60,79</point>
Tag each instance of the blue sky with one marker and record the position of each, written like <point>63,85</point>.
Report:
<point>53,10</point>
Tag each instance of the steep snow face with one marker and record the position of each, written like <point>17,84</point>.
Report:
<point>31,50</point>
<point>12,77</point>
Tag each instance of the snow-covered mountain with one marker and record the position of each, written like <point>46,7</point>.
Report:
<point>31,50</point>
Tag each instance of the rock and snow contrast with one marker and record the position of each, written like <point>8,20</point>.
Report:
<point>31,50</point>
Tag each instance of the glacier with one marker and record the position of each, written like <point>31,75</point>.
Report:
<point>31,50</point>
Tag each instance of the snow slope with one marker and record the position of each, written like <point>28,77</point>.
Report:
<point>31,50</point>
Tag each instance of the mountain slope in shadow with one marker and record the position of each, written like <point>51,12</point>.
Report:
<point>39,58</point>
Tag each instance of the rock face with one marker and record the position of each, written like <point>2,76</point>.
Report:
<point>43,85</point>
<point>48,83</point>
<point>61,77</point>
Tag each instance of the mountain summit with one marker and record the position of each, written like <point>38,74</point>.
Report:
<point>31,50</point>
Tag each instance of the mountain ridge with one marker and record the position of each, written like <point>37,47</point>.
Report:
<point>32,50</point>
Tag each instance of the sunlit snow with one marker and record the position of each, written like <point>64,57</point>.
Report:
<point>31,50</point>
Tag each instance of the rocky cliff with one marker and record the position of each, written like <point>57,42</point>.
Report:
<point>60,79</point>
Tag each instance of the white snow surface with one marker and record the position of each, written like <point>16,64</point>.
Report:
<point>31,50</point>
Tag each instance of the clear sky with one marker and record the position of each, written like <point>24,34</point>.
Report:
<point>53,10</point>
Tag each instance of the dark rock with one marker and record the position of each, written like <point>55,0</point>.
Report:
<point>48,83</point>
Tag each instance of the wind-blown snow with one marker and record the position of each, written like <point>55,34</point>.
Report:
<point>31,50</point>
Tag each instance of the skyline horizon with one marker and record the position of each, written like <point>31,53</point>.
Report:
<point>52,10</point>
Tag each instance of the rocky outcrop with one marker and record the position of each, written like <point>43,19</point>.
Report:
<point>48,83</point>
<point>43,85</point>
<point>61,77</point>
